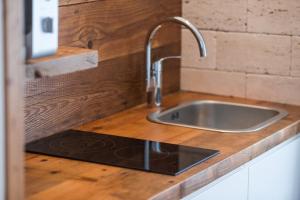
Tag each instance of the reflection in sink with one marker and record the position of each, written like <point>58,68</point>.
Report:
<point>219,116</point>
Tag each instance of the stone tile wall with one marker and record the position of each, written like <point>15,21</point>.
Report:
<point>253,49</point>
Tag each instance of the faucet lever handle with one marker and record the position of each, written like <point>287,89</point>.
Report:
<point>157,65</point>
<point>157,75</point>
<point>168,58</point>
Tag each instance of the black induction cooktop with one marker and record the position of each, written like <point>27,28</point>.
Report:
<point>118,151</point>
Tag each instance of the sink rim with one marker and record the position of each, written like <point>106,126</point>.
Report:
<point>154,116</point>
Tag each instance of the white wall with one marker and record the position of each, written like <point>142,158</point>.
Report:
<point>2,112</point>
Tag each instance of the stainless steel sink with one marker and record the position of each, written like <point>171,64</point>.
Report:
<point>219,116</point>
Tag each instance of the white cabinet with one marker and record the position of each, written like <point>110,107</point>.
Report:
<point>275,175</point>
<point>233,186</point>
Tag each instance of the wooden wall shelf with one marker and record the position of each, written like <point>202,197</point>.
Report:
<point>71,2</point>
<point>66,60</point>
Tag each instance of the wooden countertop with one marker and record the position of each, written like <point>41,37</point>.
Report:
<point>55,178</point>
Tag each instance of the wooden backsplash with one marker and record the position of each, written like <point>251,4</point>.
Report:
<point>117,28</point>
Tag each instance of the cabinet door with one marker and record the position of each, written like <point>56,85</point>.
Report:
<point>230,187</point>
<point>276,176</point>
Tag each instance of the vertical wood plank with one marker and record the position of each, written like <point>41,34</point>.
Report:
<point>14,86</point>
<point>2,112</point>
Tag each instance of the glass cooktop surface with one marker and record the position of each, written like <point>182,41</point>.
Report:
<point>119,151</point>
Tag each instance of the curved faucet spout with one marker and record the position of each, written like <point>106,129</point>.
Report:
<point>151,35</point>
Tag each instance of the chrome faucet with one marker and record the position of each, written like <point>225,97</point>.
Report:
<point>154,71</point>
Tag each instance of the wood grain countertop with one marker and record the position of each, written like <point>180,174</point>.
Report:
<point>55,178</point>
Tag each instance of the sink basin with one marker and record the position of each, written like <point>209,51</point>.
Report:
<point>219,116</point>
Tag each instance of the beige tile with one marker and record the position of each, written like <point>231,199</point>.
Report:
<point>190,50</point>
<point>270,16</point>
<point>254,53</point>
<point>295,56</point>
<point>296,17</point>
<point>295,70</point>
<point>229,15</point>
<point>214,82</point>
<point>274,88</point>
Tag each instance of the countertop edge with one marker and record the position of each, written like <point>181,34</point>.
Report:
<point>195,182</point>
